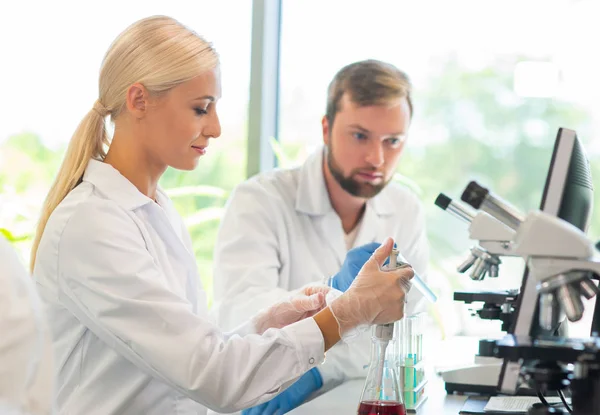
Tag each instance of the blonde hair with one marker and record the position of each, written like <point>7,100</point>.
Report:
<point>158,52</point>
<point>368,82</point>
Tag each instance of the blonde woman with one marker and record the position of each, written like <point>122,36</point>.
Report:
<point>114,264</point>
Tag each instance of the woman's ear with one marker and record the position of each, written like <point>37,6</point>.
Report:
<point>137,100</point>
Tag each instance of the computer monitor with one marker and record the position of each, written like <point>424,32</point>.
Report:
<point>568,194</point>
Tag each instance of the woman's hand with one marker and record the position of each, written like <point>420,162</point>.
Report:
<point>304,303</point>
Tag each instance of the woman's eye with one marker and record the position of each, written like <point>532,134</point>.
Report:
<point>200,111</point>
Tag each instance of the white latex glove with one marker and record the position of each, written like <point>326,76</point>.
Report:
<point>306,302</point>
<point>375,296</point>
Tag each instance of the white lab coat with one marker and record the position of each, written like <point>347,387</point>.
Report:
<point>119,280</point>
<point>280,232</point>
<point>26,370</point>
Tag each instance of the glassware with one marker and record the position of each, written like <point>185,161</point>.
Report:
<point>381,394</point>
<point>410,360</point>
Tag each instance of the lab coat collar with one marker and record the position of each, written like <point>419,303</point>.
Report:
<point>114,186</point>
<point>312,197</point>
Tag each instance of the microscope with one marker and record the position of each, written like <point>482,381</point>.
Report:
<point>562,265</point>
<point>493,238</point>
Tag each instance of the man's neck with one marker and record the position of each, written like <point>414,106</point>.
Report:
<point>348,207</point>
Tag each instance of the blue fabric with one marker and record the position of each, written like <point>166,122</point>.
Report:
<point>355,259</point>
<point>290,398</point>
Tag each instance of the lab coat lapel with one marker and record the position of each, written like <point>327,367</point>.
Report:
<point>171,234</point>
<point>170,214</point>
<point>312,199</point>
<point>369,226</point>
<point>166,225</point>
<point>329,228</point>
<point>183,250</point>
<point>377,212</point>
<point>162,218</point>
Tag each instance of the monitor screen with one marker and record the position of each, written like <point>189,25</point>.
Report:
<point>568,194</point>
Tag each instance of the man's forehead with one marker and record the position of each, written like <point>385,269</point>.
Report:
<point>376,119</point>
<point>348,103</point>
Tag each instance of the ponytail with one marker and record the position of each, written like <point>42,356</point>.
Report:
<point>157,52</point>
<point>87,143</point>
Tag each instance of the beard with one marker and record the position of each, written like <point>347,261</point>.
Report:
<point>348,183</point>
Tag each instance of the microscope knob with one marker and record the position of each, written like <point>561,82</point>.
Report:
<point>487,347</point>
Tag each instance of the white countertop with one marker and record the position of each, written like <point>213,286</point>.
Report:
<point>344,400</point>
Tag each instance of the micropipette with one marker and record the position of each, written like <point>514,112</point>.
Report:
<point>416,280</point>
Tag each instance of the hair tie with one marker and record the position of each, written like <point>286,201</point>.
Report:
<point>100,108</point>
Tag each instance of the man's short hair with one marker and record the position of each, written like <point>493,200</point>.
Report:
<point>368,82</point>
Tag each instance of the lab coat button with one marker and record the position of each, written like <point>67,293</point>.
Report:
<point>311,360</point>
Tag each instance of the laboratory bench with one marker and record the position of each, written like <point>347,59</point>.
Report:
<point>450,353</point>
<point>344,400</point>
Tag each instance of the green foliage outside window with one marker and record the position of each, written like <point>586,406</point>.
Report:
<point>485,133</point>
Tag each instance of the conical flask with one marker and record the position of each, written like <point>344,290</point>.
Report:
<point>381,394</point>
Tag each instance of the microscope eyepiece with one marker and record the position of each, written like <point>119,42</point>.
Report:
<point>456,209</point>
<point>443,201</point>
<point>474,194</point>
<point>480,198</point>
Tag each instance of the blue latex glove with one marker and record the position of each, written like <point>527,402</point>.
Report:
<point>355,259</point>
<point>290,398</point>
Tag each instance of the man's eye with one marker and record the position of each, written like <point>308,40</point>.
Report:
<point>359,136</point>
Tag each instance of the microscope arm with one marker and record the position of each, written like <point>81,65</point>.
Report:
<point>492,235</point>
<point>545,235</point>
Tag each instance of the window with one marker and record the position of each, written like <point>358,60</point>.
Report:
<point>50,80</point>
<point>493,81</point>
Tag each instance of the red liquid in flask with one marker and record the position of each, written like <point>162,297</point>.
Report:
<point>381,408</point>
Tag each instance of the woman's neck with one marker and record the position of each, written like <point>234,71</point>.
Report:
<point>134,165</point>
